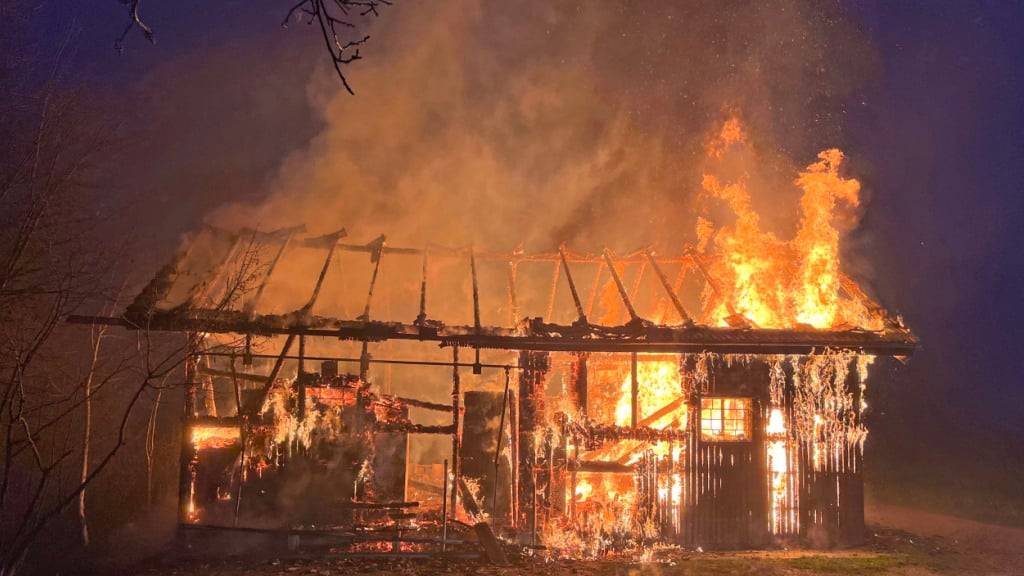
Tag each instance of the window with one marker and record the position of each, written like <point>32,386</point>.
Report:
<point>724,419</point>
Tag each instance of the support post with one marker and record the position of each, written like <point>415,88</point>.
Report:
<point>242,427</point>
<point>421,318</point>
<point>188,452</point>
<point>513,304</point>
<point>497,449</point>
<point>634,391</point>
<point>444,507</point>
<point>301,379</point>
<point>578,383</point>
<point>477,369</point>
<point>456,432</point>
<point>533,367</point>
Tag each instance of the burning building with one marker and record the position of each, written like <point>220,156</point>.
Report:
<point>580,402</point>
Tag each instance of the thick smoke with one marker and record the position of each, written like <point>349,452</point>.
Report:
<point>535,123</point>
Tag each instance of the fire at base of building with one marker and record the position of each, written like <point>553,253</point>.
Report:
<point>582,438</point>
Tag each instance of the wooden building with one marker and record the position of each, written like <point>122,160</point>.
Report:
<point>313,358</point>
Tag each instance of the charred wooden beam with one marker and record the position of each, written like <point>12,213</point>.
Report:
<point>603,467</point>
<point>411,428</point>
<point>489,543</point>
<point>300,381</point>
<point>610,432</point>
<point>533,368</point>
<point>232,374</point>
<point>578,383</point>
<point>542,337</point>
<point>594,287</point>
<point>376,255</point>
<point>513,303</point>
<point>422,404</point>
<point>250,306</point>
<point>634,392</point>
<point>375,505</point>
<point>336,359</point>
<point>581,316</point>
<point>456,430</point>
<point>421,318</point>
<point>669,291</point>
<point>497,452</point>
<point>554,290</point>
<point>257,402</point>
<point>619,286</point>
<point>323,270</point>
<point>476,311</point>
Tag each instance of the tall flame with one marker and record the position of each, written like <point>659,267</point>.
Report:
<point>775,283</point>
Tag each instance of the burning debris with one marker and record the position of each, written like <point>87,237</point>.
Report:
<point>739,425</point>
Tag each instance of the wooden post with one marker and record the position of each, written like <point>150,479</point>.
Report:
<point>477,369</point>
<point>554,290</point>
<point>513,304</point>
<point>456,432</point>
<point>533,367</point>
<point>241,438</point>
<point>421,318</point>
<point>513,423</point>
<point>301,378</point>
<point>578,383</point>
<point>634,390</point>
<point>497,449</point>
<point>444,507</point>
<point>188,452</point>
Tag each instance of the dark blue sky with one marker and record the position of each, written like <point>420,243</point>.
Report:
<point>937,138</point>
<point>944,135</point>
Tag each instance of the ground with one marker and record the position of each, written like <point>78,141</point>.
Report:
<point>902,542</point>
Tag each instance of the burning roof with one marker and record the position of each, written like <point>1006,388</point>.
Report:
<point>221,280</point>
<point>738,289</point>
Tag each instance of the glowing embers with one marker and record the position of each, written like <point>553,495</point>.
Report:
<point>781,479</point>
<point>204,437</point>
<point>725,419</point>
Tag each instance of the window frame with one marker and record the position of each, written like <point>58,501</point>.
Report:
<point>707,433</point>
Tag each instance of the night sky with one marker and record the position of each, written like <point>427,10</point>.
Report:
<point>935,132</point>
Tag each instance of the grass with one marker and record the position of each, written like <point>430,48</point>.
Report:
<point>767,565</point>
<point>866,564</point>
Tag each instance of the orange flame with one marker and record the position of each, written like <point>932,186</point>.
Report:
<point>214,436</point>
<point>776,283</point>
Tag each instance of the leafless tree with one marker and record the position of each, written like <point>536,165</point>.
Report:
<point>339,21</point>
<point>62,398</point>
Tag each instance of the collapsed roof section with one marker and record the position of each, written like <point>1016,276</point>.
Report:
<point>287,282</point>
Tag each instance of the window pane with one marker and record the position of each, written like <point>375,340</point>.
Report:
<point>725,419</point>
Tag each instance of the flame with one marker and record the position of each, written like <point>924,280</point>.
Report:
<point>778,471</point>
<point>775,283</point>
<point>214,436</point>
<point>659,385</point>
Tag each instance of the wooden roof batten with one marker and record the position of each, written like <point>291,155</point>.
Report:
<point>638,334</point>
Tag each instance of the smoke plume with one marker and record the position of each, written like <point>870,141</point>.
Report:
<point>533,123</point>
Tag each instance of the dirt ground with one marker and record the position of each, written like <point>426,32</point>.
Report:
<point>902,541</point>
